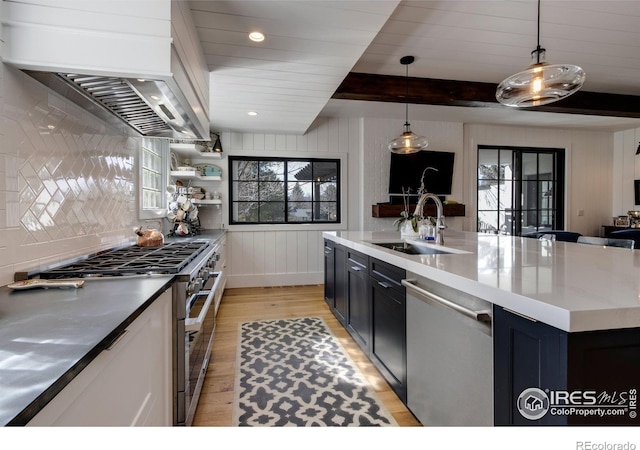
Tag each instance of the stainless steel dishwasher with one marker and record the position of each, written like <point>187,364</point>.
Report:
<point>449,355</point>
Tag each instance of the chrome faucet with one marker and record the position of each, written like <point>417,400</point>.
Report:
<point>440,215</point>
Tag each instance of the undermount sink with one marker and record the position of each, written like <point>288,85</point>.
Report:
<point>413,249</point>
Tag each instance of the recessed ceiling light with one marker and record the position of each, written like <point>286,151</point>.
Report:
<point>252,113</point>
<point>256,36</point>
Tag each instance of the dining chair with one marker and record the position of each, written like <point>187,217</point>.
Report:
<point>608,242</point>
<point>560,235</point>
<point>630,233</point>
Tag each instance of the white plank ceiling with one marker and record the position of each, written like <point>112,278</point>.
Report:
<point>310,47</point>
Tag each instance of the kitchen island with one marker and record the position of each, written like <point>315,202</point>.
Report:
<point>563,317</point>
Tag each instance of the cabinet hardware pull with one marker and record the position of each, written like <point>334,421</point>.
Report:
<point>384,285</point>
<point>480,316</point>
<point>116,339</point>
<point>356,268</point>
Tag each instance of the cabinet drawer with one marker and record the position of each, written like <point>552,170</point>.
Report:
<point>386,273</point>
<point>357,262</point>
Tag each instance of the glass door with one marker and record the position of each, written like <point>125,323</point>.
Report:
<point>520,190</point>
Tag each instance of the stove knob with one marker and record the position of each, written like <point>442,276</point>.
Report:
<point>191,288</point>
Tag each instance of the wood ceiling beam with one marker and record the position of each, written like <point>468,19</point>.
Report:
<point>429,91</point>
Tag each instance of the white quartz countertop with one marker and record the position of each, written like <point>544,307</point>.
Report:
<point>573,287</point>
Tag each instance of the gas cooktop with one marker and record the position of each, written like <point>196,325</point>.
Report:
<point>170,258</point>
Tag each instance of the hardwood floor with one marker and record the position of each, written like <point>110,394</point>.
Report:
<point>245,304</point>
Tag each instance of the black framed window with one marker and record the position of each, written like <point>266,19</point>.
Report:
<point>283,190</point>
<point>520,189</point>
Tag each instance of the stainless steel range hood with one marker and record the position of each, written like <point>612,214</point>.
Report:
<point>139,62</point>
<point>150,107</point>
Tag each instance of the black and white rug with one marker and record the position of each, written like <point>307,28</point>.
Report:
<point>294,372</point>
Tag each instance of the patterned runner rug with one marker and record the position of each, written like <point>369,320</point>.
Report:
<point>294,372</point>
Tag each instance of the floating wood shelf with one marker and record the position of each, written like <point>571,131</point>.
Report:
<point>389,210</point>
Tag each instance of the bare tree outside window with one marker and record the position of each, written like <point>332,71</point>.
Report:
<point>276,190</point>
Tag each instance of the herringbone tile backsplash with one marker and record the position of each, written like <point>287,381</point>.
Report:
<point>68,183</point>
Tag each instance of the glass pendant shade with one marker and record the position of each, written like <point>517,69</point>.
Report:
<point>408,142</point>
<point>540,84</point>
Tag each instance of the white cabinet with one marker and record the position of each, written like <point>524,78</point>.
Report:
<point>130,384</point>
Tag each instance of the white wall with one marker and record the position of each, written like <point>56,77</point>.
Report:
<point>626,170</point>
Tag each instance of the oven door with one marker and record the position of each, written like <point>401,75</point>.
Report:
<point>199,329</point>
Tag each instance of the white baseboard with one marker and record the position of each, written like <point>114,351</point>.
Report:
<point>275,279</point>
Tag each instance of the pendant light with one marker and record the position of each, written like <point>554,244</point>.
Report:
<point>541,83</point>
<point>217,145</point>
<point>408,142</point>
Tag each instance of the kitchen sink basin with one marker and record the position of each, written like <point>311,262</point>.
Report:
<point>413,249</point>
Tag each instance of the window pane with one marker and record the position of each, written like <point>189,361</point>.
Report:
<point>529,165</point>
<point>300,211</point>
<point>244,170</point>
<point>506,195</point>
<point>328,211</point>
<point>488,222</point>
<point>299,191</point>
<point>271,170</point>
<point>271,191</point>
<point>545,162</point>
<point>506,164</point>
<point>245,190</point>
<point>328,192</point>
<point>529,194</point>
<point>271,212</point>
<point>488,165</point>
<point>300,170</point>
<point>325,171</point>
<point>245,211</point>
<point>529,220</point>
<point>152,198</point>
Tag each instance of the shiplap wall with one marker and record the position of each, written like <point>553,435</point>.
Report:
<point>626,169</point>
<point>290,255</point>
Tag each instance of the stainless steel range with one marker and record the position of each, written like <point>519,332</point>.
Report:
<point>197,292</point>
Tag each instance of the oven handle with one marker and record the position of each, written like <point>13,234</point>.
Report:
<point>196,324</point>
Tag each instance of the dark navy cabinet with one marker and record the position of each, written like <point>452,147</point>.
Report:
<point>366,296</point>
<point>596,367</point>
<point>526,354</point>
<point>389,322</point>
<point>335,278</point>
<point>359,305</point>
<point>329,274</point>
